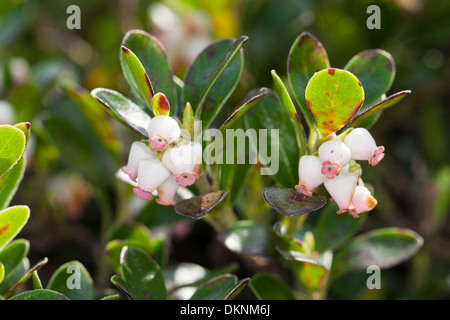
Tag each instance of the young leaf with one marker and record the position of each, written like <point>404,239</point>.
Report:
<point>384,248</point>
<point>40,294</point>
<point>306,57</point>
<point>289,202</point>
<point>197,207</point>
<point>188,119</point>
<point>266,286</point>
<point>73,280</point>
<point>334,97</point>
<point>375,69</point>
<point>160,105</point>
<point>12,221</point>
<point>123,110</point>
<point>151,54</point>
<point>11,148</point>
<point>13,254</point>
<point>37,284</point>
<point>143,274</point>
<point>212,77</point>
<point>136,75</point>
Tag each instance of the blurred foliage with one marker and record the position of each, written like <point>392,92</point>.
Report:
<point>72,156</point>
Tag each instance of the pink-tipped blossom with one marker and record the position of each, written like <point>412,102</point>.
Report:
<point>310,176</point>
<point>363,146</point>
<point>334,155</point>
<point>162,131</point>
<point>139,151</point>
<point>184,161</point>
<point>151,174</point>
<point>167,191</point>
<point>362,201</point>
<point>342,188</point>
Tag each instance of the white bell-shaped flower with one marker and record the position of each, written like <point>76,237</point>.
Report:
<point>363,146</point>
<point>334,155</point>
<point>342,188</point>
<point>162,131</point>
<point>139,151</point>
<point>151,174</point>
<point>167,191</point>
<point>309,173</point>
<point>184,161</point>
<point>362,201</point>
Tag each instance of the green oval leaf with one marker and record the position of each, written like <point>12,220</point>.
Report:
<point>334,97</point>
<point>10,181</point>
<point>12,221</point>
<point>375,69</point>
<point>25,277</point>
<point>289,202</point>
<point>333,229</point>
<point>142,274</point>
<point>384,248</point>
<point>266,286</point>
<point>216,289</point>
<point>247,237</point>
<point>136,75</point>
<point>14,276</point>
<point>12,255</point>
<point>123,287</point>
<point>40,294</point>
<point>123,110</point>
<point>12,147</point>
<point>197,207</point>
<point>280,153</point>
<point>212,77</point>
<point>306,57</point>
<point>73,280</point>
<point>362,117</point>
<point>151,54</point>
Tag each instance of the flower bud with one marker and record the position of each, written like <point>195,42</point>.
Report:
<point>333,155</point>
<point>363,146</point>
<point>342,188</point>
<point>310,176</point>
<point>167,191</point>
<point>184,161</point>
<point>139,151</point>
<point>362,201</point>
<point>151,174</point>
<point>162,130</point>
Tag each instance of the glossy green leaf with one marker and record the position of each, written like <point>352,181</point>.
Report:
<point>242,109</point>
<point>266,286</point>
<point>124,110</point>
<point>123,287</point>
<point>151,54</point>
<point>306,57</point>
<point>334,97</point>
<point>37,284</point>
<point>289,202</point>
<point>375,69</point>
<point>361,117</point>
<point>216,289</point>
<point>212,77</point>
<point>12,221</point>
<point>143,274</point>
<point>41,294</point>
<point>247,237</point>
<point>197,207</point>
<point>73,280</point>
<point>237,289</point>
<point>25,128</point>
<point>280,153</point>
<point>9,182</point>
<point>14,276</point>
<point>160,105</point>
<point>13,254</point>
<point>136,75</point>
<point>384,248</point>
<point>333,229</point>
<point>11,148</point>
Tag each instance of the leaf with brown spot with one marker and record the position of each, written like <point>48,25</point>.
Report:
<point>12,221</point>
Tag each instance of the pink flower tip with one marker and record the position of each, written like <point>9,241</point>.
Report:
<point>301,188</point>
<point>129,173</point>
<point>158,143</point>
<point>165,202</point>
<point>377,156</point>
<point>330,169</point>
<point>143,195</point>
<point>186,179</point>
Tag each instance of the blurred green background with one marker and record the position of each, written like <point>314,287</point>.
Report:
<point>74,152</point>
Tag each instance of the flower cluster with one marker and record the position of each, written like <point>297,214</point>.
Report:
<point>163,163</point>
<point>335,166</point>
